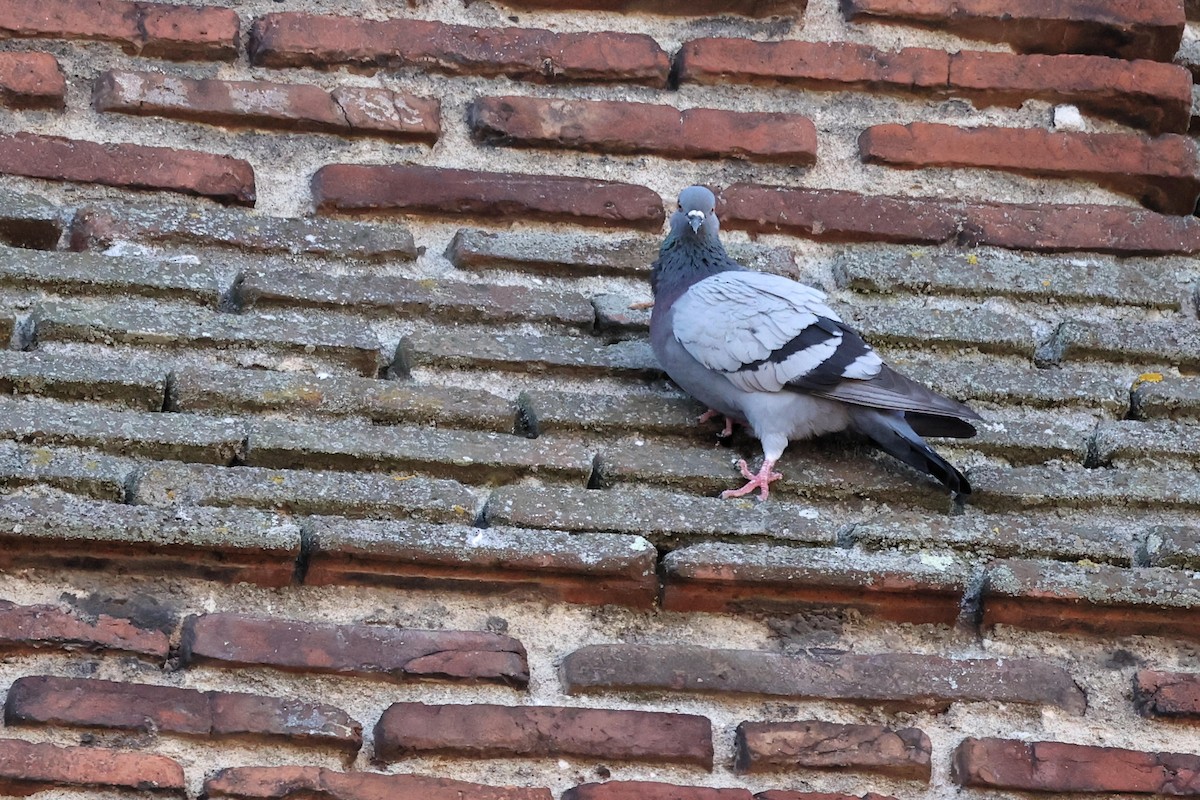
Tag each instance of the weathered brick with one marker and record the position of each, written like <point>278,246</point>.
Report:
<point>1167,694</point>
<point>88,274</point>
<point>1101,540</point>
<point>407,189</point>
<point>485,348</point>
<point>1062,767</point>
<point>466,455</point>
<point>83,472</point>
<point>778,794</point>
<point>308,40</point>
<point>99,226</point>
<point>172,485</point>
<point>384,402</point>
<point>1166,396</point>
<point>650,790</point>
<point>483,730</point>
<point>1141,93</point>
<point>1161,172</point>
<point>347,110</point>
<point>1145,444</point>
<point>76,702</point>
<point>587,568</point>
<point>810,472</point>
<point>688,8</point>
<point>569,256</point>
<point>31,80</point>
<point>1107,281</point>
<point>229,545</point>
<point>1171,546</point>
<point>547,410</point>
<point>1074,487</point>
<point>427,297</point>
<point>186,437</point>
<point>1021,436</point>
<point>25,628</point>
<point>281,783</point>
<point>128,166</point>
<point>26,768</point>
<point>620,127</point>
<point>279,335</point>
<point>1091,598</point>
<point>1011,382</point>
<point>736,577</point>
<point>156,30</point>
<point>1141,342</point>
<point>31,222</point>
<point>665,518</point>
<point>833,215</point>
<point>1149,30</point>
<point>231,640</point>
<point>138,385</point>
<point>898,680</point>
<point>764,746</point>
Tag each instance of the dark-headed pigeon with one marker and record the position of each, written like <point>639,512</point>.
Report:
<point>766,352</point>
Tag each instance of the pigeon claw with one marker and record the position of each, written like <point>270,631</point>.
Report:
<point>757,480</point>
<point>726,432</point>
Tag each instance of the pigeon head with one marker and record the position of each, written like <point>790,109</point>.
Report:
<point>696,214</point>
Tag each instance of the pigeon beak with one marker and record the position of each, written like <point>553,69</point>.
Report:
<point>695,219</point>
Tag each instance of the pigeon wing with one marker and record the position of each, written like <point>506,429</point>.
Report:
<point>766,333</point>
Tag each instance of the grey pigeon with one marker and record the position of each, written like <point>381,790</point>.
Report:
<point>768,353</point>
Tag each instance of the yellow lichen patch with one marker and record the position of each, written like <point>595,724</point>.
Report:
<point>277,479</point>
<point>1146,377</point>
<point>402,478</point>
<point>427,283</point>
<point>41,457</point>
<point>460,510</point>
<point>972,259</point>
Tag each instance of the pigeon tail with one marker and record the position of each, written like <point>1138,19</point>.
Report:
<point>893,435</point>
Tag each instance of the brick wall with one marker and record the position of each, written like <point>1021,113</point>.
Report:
<point>334,461</point>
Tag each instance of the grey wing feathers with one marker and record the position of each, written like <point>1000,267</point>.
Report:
<point>766,333</point>
<point>889,389</point>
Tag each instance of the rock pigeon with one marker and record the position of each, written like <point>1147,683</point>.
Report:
<point>768,353</point>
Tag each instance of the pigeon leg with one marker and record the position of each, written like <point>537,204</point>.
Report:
<point>726,432</point>
<point>761,480</point>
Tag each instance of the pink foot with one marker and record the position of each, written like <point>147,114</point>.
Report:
<point>727,431</point>
<point>761,480</point>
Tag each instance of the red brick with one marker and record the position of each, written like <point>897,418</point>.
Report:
<point>365,650</point>
<point>1141,93</point>
<point>129,166</point>
<point>109,704</point>
<point>1144,93</point>
<point>158,30</point>
<point>26,768</point>
<point>832,215</point>
<point>1167,694</point>
<point>686,8</point>
<point>454,192</point>
<point>898,680</point>
<point>1061,767</point>
<point>617,127</point>
<point>492,731</point>
<point>778,794</point>
<point>726,577</point>
<point>1161,172</point>
<point>1149,29</point>
<point>288,783</point>
<point>31,80</point>
<point>347,110</point>
<point>764,746</point>
<point>648,790</point>
<point>40,627</point>
<point>1092,599</point>
<point>834,66</point>
<point>306,40</point>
